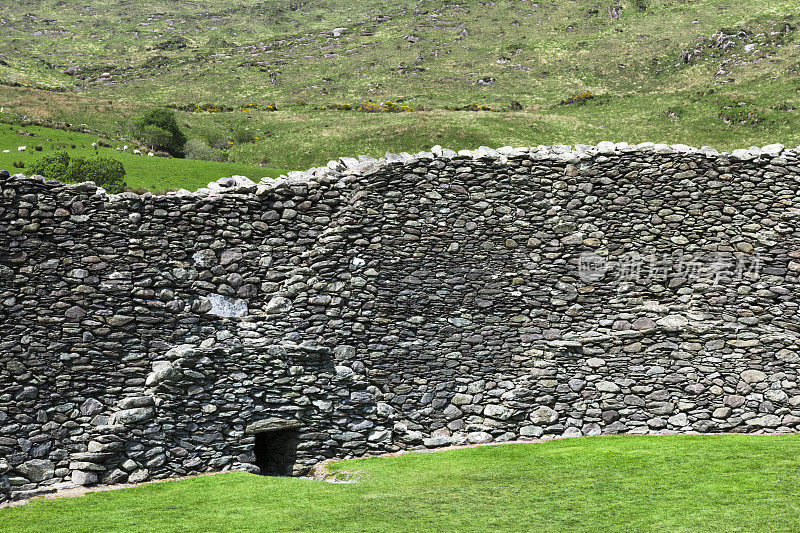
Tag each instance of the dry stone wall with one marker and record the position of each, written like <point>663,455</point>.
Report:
<point>377,305</point>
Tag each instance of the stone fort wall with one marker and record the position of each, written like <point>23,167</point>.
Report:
<point>377,305</point>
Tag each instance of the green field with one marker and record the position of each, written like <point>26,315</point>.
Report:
<point>622,483</point>
<point>142,172</point>
<point>702,72</point>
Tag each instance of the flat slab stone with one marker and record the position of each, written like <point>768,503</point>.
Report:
<point>271,424</point>
<point>225,307</point>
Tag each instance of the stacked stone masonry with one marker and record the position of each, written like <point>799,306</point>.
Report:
<point>377,305</point>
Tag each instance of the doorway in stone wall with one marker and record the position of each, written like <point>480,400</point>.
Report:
<point>276,451</point>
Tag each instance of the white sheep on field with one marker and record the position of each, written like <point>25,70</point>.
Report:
<point>22,148</point>
<point>151,154</point>
<point>125,147</point>
<point>6,151</point>
<point>94,145</point>
<point>137,152</point>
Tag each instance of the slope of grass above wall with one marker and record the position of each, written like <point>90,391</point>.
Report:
<point>622,483</point>
<point>729,116</point>
<point>142,172</point>
<point>439,54</point>
<point>717,72</point>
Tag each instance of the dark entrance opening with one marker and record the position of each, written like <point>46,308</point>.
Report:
<point>276,451</point>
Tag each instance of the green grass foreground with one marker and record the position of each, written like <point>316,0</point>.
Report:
<point>621,483</point>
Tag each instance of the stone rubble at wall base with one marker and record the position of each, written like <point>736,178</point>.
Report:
<point>378,305</point>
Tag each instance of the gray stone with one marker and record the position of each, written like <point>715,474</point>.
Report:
<point>138,476</point>
<point>119,320</point>
<point>734,400</point>
<point>380,435</point>
<point>679,420</point>
<point>80,477</point>
<point>531,431</point>
<point>75,313</point>
<point>721,412</point>
<point>132,416</point>
<point>136,401</point>
<point>37,469</point>
<point>114,477</point>
<point>764,421</point>
<point>278,305</point>
<point>163,372</point>
<point>271,424</point>
<point>91,407</point>
<point>607,386</point>
<point>479,437</point>
<point>451,412</point>
<point>436,442</point>
<point>27,393</point>
<point>753,376</point>
<point>543,415</point>
<point>226,307</point>
<point>673,322</point>
<point>461,399</point>
<point>497,411</point>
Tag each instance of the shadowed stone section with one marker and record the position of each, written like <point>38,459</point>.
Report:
<point>37,469</point>
<point>371,306</point>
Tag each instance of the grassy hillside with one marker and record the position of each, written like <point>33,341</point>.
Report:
<point>142,172</point>
<point>624,483</point>
<point>424,52</point>
<point>717,72</point>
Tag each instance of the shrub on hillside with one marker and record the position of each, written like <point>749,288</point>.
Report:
<point>214,138</point>
<point>52,166</point>
<point>153,137</point>
<point>386,107</point>
<point>199,150</point>
<point>472,107</point>
<point>242,134</point>
<point>219,108</point>
<point>369,106</point>
<point>159,130</point>
<point>104,171</point>
<point>579,99</point>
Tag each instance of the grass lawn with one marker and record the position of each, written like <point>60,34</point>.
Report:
<point>621,483</point>
<point>151,173</point>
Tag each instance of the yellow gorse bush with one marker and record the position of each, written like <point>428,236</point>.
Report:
<point>515,106</point>
<point>373,107</point>
<point>216,108</point>
<point>579,99</point>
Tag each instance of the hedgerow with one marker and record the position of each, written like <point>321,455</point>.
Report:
<point>104,171</point>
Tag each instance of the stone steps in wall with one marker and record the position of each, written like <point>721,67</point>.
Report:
<point>19,495</point>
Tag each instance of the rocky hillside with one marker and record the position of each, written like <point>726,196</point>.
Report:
<point>421,51</point>
<point>371,76</point>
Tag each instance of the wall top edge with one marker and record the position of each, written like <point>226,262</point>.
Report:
<point>348,168</point>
